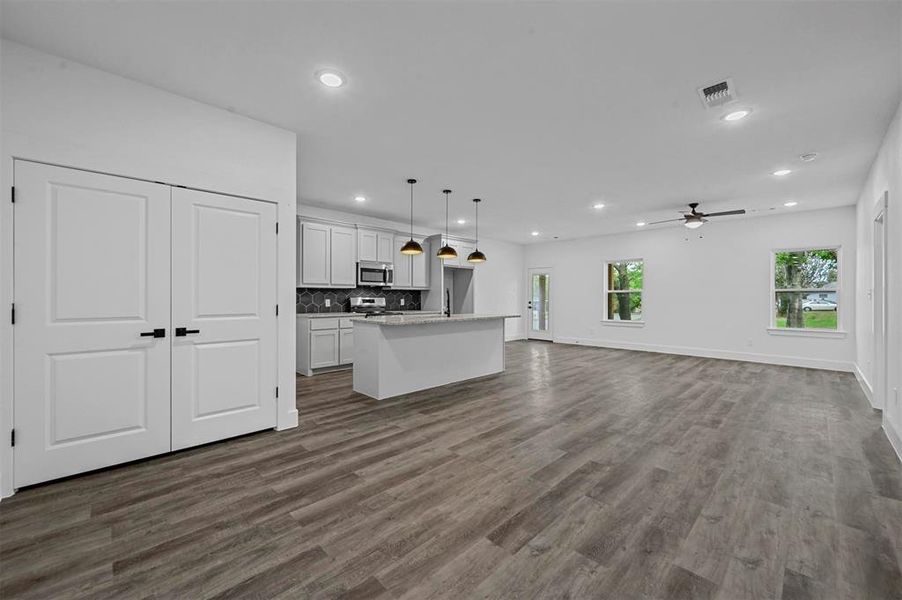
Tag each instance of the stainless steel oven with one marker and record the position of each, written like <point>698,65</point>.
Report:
<point>371,273</point>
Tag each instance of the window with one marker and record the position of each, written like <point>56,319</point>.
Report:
<point>623,288</point>
<point>805,289</point>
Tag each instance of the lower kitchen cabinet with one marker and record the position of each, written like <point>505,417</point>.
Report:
<point>324,342</point>
<point>346,346</point>
<point>324,351</point>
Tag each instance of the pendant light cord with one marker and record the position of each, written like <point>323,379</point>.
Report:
<point>411,211</point>
<point>446,218</point>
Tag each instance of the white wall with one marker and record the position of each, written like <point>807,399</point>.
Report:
<point>885,176</point>
<point>705,297</point>
<point>501,285</point>
<point>498,282</point>
<point>61,112</point>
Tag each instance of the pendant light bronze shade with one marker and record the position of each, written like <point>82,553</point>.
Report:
<point>412,247</point>
<point>446,252</point>
<point>476,256</point>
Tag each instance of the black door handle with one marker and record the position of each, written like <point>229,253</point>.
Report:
<point>156,333</point>
<point>182,332</point>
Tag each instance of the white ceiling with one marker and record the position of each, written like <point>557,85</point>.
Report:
<point>541,109</point>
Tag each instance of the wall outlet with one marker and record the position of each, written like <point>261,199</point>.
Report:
<point>749,342</point>
<point>402,301</point>
<point>328,303</point>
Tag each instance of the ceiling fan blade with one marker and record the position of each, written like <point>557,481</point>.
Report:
<point>667,221</point>
<point>741,211</point>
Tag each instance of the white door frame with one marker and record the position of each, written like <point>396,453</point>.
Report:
<point>530,334</point>
<point>878,303</point>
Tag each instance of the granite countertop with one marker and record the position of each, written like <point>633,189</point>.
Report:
<point>394,320</point>
<point>345,315</point>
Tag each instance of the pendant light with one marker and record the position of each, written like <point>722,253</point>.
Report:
<point>476,256</point>
<point>411,247</point>
<point>446,252</point>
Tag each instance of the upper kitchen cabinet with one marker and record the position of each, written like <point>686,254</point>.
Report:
<point>375,245</point>
<point>419,267</point>
<point>327,255</point>
<point>411,272</point>
<point>464,249</point>
<point>315,260</point>
<point>344,256</point>
<point>451,262</point>
<point>402,272</point>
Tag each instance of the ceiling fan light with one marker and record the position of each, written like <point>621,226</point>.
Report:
<point>476,257</point>
<point>446,252</point>
<point>411,248</point>
<point>694,223</point>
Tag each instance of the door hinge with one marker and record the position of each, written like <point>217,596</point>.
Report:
<point>12,437</point>
<point>277,228</point>
<point>277,391</point>
<point>12,194</point>
<point>12,314</point>
<point>277,310</point>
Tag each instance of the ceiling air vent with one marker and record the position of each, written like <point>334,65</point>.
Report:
<point>717,94</point>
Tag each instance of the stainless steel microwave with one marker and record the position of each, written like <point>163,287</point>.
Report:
<point>371,273</point>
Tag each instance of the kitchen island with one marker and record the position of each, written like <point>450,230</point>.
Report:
<point>399,354</point>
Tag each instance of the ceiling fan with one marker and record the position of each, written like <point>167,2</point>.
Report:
<point>695,219</point>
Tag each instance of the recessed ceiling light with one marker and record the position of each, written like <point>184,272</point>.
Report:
<point>330,78</point>
<point>790,203</point>
<point>360,198</point>
<point>598,206</point>
<point>534,233</point>
<point>808,156</point>
<point>737,115</point>
<point>782,172</point>
<point>641,224</point>
<point>461,221</point>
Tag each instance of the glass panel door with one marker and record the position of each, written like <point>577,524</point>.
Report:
<point>539,304</point>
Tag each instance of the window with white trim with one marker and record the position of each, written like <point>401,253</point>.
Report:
<point>805,289</point>
<point>623,290</point>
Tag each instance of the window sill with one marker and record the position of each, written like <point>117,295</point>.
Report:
<point>815,333</point>
<point>623,323</point>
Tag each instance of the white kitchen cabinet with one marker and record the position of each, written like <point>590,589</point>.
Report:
<point>315,260</point>
<point>402,265</point>
<point>367,244</point>
<point>452,262</point>
<point>324,348</point>
<point>375,245</point>
<point>385,248</point>
<point>323,342</point>
<point>343,250</point>
<point>419,267</point>
<point>463,251</point>
<point>411,272</point>
<point>346,346</point>
<point>328,255</point>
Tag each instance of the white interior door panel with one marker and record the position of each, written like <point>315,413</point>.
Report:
<point>224,345</point>
<point>91,276</point>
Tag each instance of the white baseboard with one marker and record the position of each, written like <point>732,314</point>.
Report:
<point>895,440</point>
<point>864,383</point>
<point>514,337</point>
<point>771,359</point>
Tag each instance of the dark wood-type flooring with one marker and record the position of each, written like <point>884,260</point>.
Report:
<point>578,473</point>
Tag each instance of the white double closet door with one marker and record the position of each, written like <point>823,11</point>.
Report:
<point>144,319</point>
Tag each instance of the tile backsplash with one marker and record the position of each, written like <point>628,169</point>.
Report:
<point>313,300</point>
